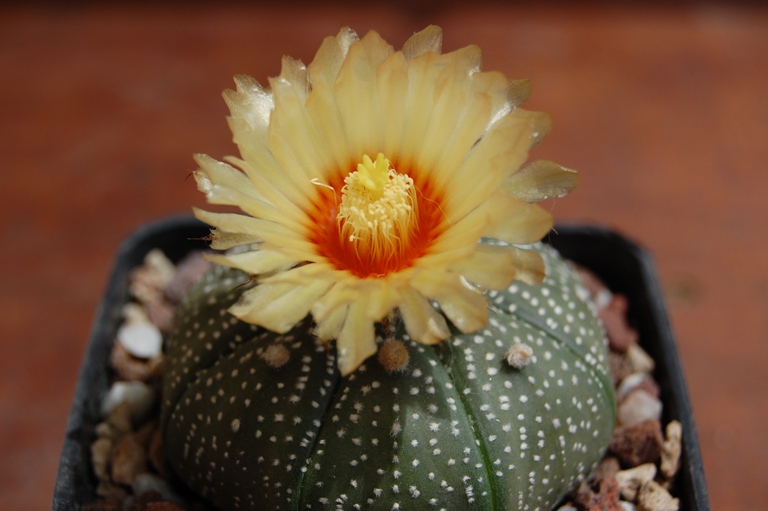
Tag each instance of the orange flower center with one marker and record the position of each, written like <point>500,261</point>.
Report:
<point>377,222</point>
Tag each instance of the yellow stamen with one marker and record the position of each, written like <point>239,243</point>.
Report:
<point>377,210</point>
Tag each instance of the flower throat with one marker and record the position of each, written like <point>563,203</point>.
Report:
<point>378,213</point>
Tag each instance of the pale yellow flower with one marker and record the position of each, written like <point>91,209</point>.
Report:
<point>368,179</point>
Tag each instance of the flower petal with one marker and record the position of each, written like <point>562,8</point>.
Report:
<point>330,327</point>
<point>540,180</point>
<point>495,86</point>
<point>250,103</point>
<point>300,155</point>
<point>255,262</point>
<point>428,40</point>
<point>213,172</point>
<point>465,135</point>
<point>541,124</point>
<point>518,92</point>
<point>356,340</point>
<point>496,266</point>
<point>355,92</point>
<point>422,322</point>
<point>294,72</point>
<point>450,98</point>
<point>304,273</point>
<point>466,309</point>
<point>323,110</point>
<point>498,154</point>
<point>502,217</point>
<point>337,296</point>
<point>270,232</point>
<point>392,86</point>
<point>277,307</point>
<point>264,172</point>
<point>223,240</point>
<point>422,72</point>
<point>515,221</point>
<point>255,207</point>
<point>329,58</point>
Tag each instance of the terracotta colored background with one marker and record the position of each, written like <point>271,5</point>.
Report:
<point>664,111</point>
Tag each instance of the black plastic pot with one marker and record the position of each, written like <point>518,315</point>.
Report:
<point>625,268</point>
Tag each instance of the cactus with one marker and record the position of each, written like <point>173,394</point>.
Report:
<point>257,420</point>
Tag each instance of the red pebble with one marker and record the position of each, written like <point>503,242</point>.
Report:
<point>637,444</point>
<point>606,498</point>
<point>161,315</point>
<point>620,335</point>
<point>189,269</point>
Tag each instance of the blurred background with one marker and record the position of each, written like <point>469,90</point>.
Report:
<point>661,107</point>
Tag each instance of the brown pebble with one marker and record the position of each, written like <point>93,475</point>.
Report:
<point>111,491</point>
<point>126,365</point>
<point>607,468</point>
<point>163,506</point>
<point>161,315</point>
<point>606,498</point>
<point>637,444</point>
<point>145,432</point>
<point>101,454</point>
<point>120,419</point>
<point>156,454</point>
<point>145,285</point>
<point>619,366</point>
<point>189,270</point>
<point>105,430</point>
<point>591,281</point>
<point>129,458</point>
<point>156,366</point>
<point>104,504</point>
<point>614,317</point>
<point>145,500</point>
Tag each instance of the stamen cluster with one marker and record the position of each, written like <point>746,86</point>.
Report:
<point>377,210</point>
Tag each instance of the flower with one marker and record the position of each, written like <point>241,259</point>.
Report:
<point>367,180</point>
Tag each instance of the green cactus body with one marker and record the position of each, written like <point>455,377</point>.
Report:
<point>457,429</point>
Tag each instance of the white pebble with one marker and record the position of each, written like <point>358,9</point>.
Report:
<point>671,449</point>
<point>135,313</point>
<point>603,298</point>
<point>142,340</point>
<point>630,382</point>
<point>639,360</point>
<point>653,497</point>
<point>637,407</point>
<point>632,479</point>
<point>150,482</point>
<point>136,394</point>
<point>161,267</point>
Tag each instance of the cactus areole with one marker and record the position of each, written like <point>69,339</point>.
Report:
<point>258,420</point>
